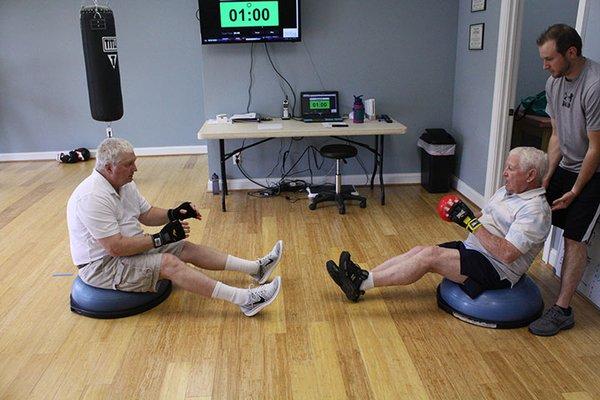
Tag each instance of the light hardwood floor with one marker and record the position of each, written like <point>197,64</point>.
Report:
<point>310,344</point>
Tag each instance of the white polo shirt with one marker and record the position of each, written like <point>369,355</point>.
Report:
<point>95,210</point>
<point>523,219</point>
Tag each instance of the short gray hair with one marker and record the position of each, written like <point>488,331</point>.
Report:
<point>110,151</point>
<point>532,158</point>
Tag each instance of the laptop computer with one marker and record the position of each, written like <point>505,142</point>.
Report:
<point>320,106</point>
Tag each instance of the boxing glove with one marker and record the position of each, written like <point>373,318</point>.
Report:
<point>446,202</point>
<point>170,233</point>
<point>175,214</point>
<point>462,215</point>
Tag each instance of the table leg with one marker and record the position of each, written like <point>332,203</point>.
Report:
<point>223,173</point>
<point>375,160</point>
<point>381,170</point>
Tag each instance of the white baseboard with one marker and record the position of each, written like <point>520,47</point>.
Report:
<point>468,191</point>
<point>139,151</point>
<point>170,151</point>
<point>357,180</point>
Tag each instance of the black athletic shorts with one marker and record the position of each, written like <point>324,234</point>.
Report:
<point>577,220</point>
<point>481,273</point>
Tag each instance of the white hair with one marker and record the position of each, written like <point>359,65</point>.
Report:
<point>532,158</point>
<point>110,151</point>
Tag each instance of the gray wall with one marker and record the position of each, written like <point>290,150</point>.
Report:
<point>473,92</point>
<point>591,41</point>
<point>400,53</point>
<point>43,101</point>
<point>538,15</point>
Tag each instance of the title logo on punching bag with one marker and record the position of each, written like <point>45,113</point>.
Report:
<point>109,45</point>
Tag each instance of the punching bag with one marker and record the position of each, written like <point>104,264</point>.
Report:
<point>101,63</point>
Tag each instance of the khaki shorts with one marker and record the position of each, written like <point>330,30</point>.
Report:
<point>137,273</point>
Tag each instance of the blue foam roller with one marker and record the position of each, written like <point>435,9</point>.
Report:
<point>501,308</point>
<point>104,303</point>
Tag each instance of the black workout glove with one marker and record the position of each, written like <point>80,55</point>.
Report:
<point>170,233</point>
<point>462,215</point>
<point>175,214</point>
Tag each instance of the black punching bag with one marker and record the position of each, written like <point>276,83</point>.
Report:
<point>101,63</point>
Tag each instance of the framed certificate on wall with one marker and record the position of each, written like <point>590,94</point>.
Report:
<point>477,5</point>
<point>476,36</point>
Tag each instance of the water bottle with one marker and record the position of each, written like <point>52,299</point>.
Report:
<point>358,110</point>
<point>286,109</point>
<point>215,183</point>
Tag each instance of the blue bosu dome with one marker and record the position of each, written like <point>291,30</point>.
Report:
<point>104,303</point>
<point>501,308</point>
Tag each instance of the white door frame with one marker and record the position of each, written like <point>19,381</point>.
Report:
<point>582,17</point>
<point>505,83</point>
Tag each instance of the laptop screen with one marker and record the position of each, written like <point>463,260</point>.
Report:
<point>319,104</point>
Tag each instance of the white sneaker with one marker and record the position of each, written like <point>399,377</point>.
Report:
<point>268,263</point>
<point>261,297</point>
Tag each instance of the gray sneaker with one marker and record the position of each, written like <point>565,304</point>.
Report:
<point>268,263</point>
<point>261,297</point>
<point>552,322</point>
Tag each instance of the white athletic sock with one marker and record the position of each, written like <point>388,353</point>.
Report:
<point>232,294</point>
<point>239,264</point>
<point>367,283</point>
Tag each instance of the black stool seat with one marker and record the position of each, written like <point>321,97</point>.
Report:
<point>338,151</point>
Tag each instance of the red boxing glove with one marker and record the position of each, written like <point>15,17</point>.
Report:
<point>446,202</point>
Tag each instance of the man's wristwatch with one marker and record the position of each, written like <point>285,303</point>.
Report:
<point>156,241</point>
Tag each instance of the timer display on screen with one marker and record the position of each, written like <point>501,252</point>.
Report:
<point>319,104</point>
<point>243,14</point>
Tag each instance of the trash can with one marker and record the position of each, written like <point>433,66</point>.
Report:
<point>437,159</point>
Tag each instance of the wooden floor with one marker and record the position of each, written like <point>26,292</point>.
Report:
<point>310,344</point>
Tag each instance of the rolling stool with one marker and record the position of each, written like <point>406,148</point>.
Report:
<point>339,152</point>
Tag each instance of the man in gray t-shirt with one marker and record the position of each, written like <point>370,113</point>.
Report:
<point>573,180</point>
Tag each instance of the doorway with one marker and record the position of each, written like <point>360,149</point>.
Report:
<point>519,69</point>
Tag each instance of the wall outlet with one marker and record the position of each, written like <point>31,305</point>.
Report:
<point>237,158</point>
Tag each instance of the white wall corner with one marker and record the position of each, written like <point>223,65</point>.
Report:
<point>470,193</point>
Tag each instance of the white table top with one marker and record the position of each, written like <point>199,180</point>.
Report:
<point>289,128</point>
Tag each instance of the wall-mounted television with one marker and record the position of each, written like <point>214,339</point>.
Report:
<point>232,21</point>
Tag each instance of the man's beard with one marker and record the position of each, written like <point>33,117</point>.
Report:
<point>564,71</point>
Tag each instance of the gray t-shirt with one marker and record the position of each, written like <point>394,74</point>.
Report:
<point>575,107</point>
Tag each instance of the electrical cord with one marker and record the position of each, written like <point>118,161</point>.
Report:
<point>313,64</point>
<point>282,77</point>
<point>285,184</point>
<point>251,78</point>
<point>363,167</point>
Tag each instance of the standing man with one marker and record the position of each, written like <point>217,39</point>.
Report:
<point>108,245</point>
<point>573,179</point>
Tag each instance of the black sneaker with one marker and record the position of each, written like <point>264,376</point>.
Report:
<point>350,285</point>
<point>354,271</point>
<point>553,321</point>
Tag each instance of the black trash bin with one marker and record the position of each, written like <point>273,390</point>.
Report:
<point>437,159</point>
